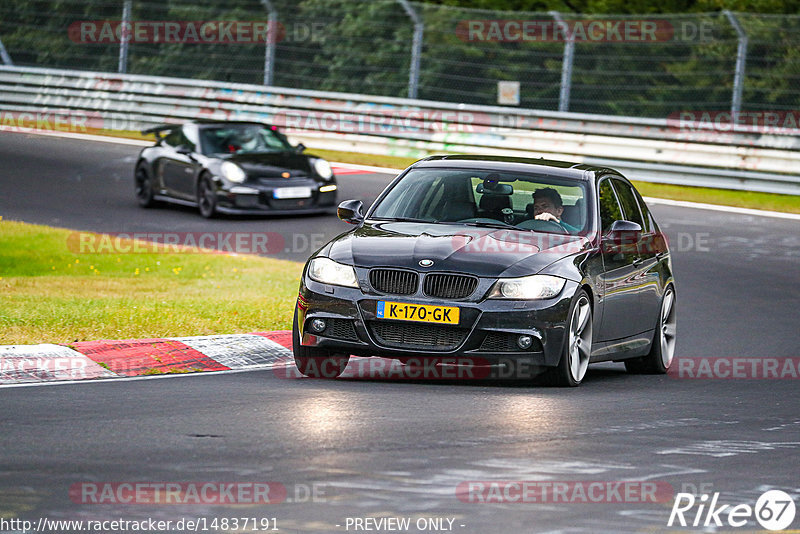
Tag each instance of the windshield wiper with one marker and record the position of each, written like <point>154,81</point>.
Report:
<point>498,224</point>
<point>403,219</point>
<point>259,151</point>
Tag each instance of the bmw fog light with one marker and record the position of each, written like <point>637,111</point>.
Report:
<point>524,342</point>
<point>317,325</point>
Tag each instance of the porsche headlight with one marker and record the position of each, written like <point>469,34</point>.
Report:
<point>323,168</point>
<point>538,286</point>
<point>327,271</point>
<point>232,172</point>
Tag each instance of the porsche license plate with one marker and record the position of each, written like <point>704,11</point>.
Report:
<point>292,192</point>
<point>417,312</point>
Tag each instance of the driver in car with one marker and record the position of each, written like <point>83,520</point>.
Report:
<point>245,140</point>
<point>547,206</point>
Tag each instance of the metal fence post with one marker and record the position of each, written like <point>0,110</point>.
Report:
<point>741,58</point>
<point>566,63</point>
<point>416,48</point>
<point>272,37</point>
<point>4,55</point>
<point>125,37</point>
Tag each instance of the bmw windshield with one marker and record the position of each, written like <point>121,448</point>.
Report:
<point>492,199</point>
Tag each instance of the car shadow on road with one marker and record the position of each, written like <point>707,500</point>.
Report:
<point>365,370</point>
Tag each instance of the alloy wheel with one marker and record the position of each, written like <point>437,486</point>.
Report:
<point>668,325</point>
<point>580,338</point>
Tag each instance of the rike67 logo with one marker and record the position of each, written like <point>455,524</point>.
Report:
<point>774,510</point>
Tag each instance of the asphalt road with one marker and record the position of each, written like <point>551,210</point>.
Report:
<point>377,448</point>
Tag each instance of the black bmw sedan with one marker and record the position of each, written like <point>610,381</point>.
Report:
<point>232,168</point>
<point>495,260</point>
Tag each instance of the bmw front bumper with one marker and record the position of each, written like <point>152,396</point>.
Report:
<point>487,331</point>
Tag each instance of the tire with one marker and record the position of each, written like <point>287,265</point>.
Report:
<point>207,197</point>
<point>144,187</point>
<point>316,363</point>
<point>571,368</point>
<point>662,349</point>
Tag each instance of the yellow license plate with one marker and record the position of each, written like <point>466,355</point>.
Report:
<point>417,312</point>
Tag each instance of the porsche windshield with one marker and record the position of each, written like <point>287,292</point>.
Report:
<point>242,138</point>
<point>482,198</point>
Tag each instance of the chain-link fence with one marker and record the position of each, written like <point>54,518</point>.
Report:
<point>647,66</point>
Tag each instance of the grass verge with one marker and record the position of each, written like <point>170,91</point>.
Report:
<point>53,294</point>
<point>724,197</point>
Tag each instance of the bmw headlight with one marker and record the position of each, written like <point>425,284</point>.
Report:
<point>232,172</point>
<point>327,271</point>
<point>323,168</point>
<point>538,286</point>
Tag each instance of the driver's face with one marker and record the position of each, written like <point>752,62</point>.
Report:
<point>545,205</point>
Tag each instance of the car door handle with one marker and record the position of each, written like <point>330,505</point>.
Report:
<point>638,261</point>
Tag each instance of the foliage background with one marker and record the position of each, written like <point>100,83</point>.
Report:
<point>363,46</point>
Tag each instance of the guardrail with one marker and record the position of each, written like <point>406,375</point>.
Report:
<point>656,150</point>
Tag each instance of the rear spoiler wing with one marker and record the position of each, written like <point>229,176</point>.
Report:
<point>157,130</point>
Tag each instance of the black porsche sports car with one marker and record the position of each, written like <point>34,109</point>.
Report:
<point>523,260</point>
<point>232,168</point>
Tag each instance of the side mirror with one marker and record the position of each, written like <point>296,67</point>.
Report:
<point>623,233</point>
<point>299,148</point>
<point>183,149</point>
<point>351,211</point>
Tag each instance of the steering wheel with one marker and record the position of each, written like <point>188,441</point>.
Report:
<point>543,226</point>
